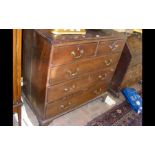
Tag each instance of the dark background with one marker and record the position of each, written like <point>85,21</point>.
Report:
<point>6,77</point>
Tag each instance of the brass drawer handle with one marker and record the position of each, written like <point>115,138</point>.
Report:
<point>63,107</point>
<point>102,77</point>
<point>69,103</point>
<point>73,74</point>
<point>98,92</point>
<point>108,62</point>
<point>69,89</point>
<point>113,46</point>
<point>74,54</point>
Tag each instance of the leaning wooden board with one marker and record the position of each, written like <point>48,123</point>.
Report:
<point>129,68</point>
<point>134,72</point>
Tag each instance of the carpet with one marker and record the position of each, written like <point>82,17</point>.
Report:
<point>120,115</point>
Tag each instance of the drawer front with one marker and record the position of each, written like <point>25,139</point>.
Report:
<point>67,54</point>
<point>70,71</point>
<point>132,76</point>
<point>72,101</point>
<point>60,90</point>
<point>109,47</point>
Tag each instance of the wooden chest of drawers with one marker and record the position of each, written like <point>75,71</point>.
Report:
<point>63,72</point>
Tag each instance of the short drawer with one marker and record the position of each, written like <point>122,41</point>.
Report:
<point>70,102</point>
<point>76,69</point>
<point>66,54</point>
<point>109,47</point>
<point>60,90</point>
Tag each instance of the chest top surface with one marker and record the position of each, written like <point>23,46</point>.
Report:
<point>91,35</point>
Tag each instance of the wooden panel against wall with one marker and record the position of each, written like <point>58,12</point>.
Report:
<point>17,45</point>
<point>17,49</point>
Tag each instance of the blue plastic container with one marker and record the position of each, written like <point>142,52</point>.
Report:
<point>133,98</point>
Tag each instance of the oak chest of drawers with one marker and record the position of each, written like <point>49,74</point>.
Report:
<point>63,72</point>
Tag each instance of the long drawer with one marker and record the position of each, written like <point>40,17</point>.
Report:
<point>72,101</point>
<point>76,69</point>
<point>60,90</point>
<point>67,54</point>
<point>110,47</point>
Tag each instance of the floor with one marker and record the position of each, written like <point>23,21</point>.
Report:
<point>78,117</point>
